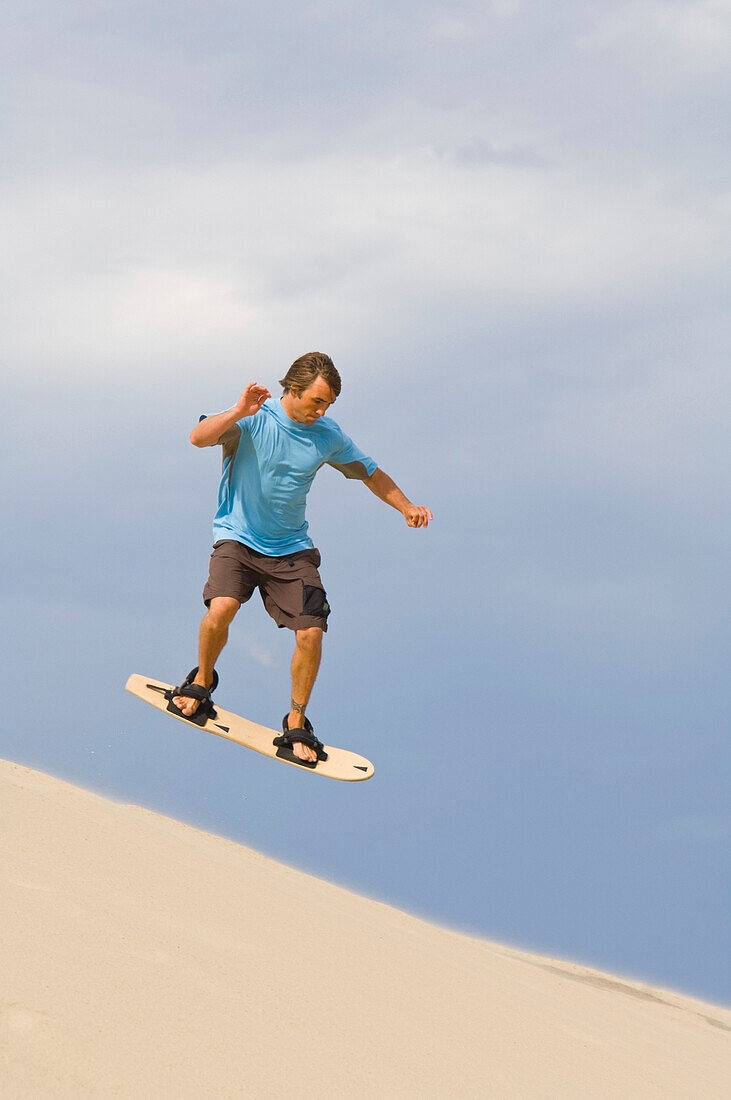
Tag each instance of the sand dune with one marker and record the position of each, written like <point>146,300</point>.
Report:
<point>144,958</point>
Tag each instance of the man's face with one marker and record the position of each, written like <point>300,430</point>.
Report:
<point>312,403</point>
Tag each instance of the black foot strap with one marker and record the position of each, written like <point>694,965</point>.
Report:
<point>189,690</point>
<point>305,737</point>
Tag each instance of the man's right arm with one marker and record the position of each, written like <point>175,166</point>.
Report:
<point>209,432</point>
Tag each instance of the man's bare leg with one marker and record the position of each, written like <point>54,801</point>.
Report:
<point>305,663</point>
<point>212,637</point>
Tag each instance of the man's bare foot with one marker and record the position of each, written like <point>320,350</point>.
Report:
<point>303,752</point>
<point>185,704</point>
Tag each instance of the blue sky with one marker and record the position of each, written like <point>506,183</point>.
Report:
<point>508,224</point>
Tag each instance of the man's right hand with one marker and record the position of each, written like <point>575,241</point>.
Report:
<point>251,400</point>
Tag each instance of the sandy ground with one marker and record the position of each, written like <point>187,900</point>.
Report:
<point>143,958</point>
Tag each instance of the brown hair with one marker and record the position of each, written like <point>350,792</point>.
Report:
<point>304,371</point>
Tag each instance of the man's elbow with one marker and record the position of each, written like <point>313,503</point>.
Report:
<point>200,439</point>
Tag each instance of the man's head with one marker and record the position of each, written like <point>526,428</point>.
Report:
<point>306,369</point>
<point>311,385</point>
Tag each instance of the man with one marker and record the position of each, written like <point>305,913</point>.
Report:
<point>271,453</point>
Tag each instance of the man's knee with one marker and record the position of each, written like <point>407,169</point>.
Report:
<point>309,638</point>
<point>222,609</point>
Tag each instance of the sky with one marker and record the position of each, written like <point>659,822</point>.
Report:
<point>507,222</point>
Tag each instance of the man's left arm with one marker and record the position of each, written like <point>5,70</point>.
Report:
<point>388,491</point>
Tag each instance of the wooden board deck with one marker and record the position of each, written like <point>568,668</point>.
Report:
<point>340,764</point>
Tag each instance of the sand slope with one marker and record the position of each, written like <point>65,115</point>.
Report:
<point>143,958</point>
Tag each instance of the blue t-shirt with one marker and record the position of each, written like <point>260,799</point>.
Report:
<point>269,464</point>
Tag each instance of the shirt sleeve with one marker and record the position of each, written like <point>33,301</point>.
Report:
<point>233,433</point>
<point>229,441</point>
<point>350,460</point>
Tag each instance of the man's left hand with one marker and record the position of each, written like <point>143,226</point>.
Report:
<point>417,516</point>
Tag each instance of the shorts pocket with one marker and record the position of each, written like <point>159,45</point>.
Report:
<point>314,602</point>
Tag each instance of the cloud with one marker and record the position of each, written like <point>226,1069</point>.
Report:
<point>161,266</point>
<point>123,83</point>
<point>253,648</point>
<point>689,38</point>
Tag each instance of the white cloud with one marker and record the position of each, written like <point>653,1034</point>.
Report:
<point>252,647</point>
<point>148,268</point>
<point>665,40</point>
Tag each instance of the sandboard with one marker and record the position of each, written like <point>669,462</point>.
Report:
<point>340,763</point>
